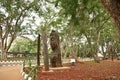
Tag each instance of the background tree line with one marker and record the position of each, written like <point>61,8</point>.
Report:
<point>85,27</point>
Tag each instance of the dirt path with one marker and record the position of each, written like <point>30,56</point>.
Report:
<point>89,70</point>
<point>10,73</point>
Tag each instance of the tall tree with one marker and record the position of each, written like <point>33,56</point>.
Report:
<point>12,15</point>
<point>45,51</point>
<point>87,19</point>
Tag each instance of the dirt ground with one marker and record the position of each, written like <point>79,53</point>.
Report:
<point>10,73</point>
<point>105,70</point>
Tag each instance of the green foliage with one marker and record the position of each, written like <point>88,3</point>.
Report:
<point>117,47</point>
<point>86,19</point>
<point>24,45</point>
<point>34,77</point>
<point>69,6</point>
<point>75,20</point>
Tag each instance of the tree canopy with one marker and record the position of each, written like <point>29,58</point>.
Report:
<point>85,27</point>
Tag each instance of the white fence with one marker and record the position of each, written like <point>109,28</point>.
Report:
<point>11,63</point>
<point>34,62</point>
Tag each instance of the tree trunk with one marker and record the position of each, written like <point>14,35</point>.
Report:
<point>97,47</point>
<point>104,52</point>
<point>1,44</point>
<point>90,45</point>
<point>4,54</point>
<point>45,51</point>
<point>4,45</point>
<point>3,51</point>
<point>65,52</point>
<point>113,7</point>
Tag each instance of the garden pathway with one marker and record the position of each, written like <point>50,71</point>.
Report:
<point>11,73</point>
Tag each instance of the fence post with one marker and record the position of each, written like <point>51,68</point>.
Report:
<point>38,51</point>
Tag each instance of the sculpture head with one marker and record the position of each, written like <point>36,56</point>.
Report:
<point>54,40</point>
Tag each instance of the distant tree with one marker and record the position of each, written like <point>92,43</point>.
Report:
<point>21,44</point>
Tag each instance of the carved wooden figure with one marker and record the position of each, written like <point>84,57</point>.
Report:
<point>55,58</point>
